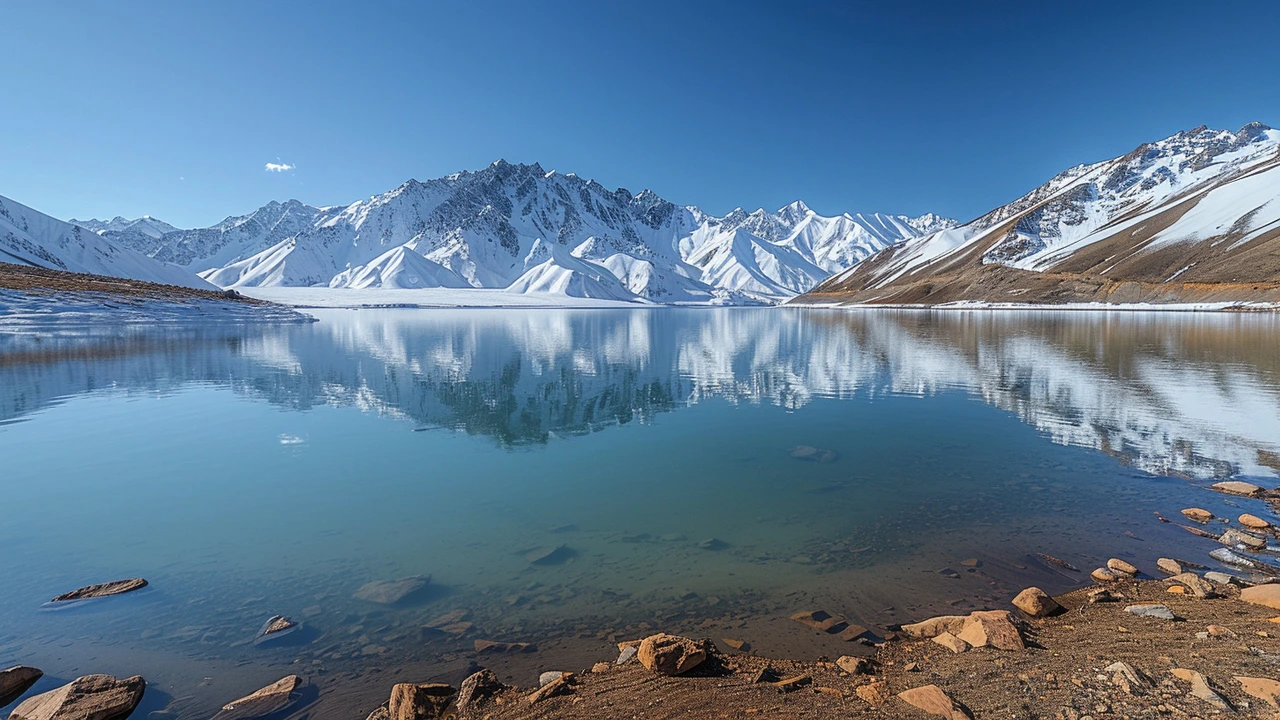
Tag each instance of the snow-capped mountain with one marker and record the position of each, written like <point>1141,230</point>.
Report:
<point>480,229</point>
<point>29,237</point>
<point>1193,217</point>
<point>143,234</point>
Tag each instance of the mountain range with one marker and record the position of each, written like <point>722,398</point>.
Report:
<point>1191,218</point>
<point>528,230</point>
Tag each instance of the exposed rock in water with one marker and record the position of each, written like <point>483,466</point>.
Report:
<point>390,592</point>
<point>90,592</point>
<point>934,701</point>
<point>1120,566</point>
<point>274,629</point>
<point>670,654</point>
<point>1235,487</point>
<point>1253,521</point>
<point>1169,565</point>
<point>1233,537</point>
<point>1056,562</point>
<point>419,701</point>
<point>1197,514</point>
<point>477,689</point>
<point>1036,603</point>
<point>270,699</point>
<point>92,697</point>
<point>1103,575</point>
<point>814,454</point>
<point>16,680</point>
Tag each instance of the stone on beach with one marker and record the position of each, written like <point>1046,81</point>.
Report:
<point>670,654</point>
<point>1200,687</point>
<point>476,689</point>
<point>1196,584</point>
<point>951,642</point>
<point>821,621</point>
<point>1264,689</point>
<point>1264,595</point>
<point>1103,575</point>
<point>16,680</point>
<point>1155,611</point>
<point>1036,603</point>
<point>1236,487</point>
<point>1169,565</point>
<point>390,592</point>
<point>116,587</point>
<point>1197,514</point>
<point>875,693</point>
<point>935,626</point>
<point>419,701</point>
<point>559,686</point>
<point>852,665</point>
<point>933,700</point>
<point>1120,566</point>
<point>991,628</point>
<point>261,703</point>
<point>92,697</point>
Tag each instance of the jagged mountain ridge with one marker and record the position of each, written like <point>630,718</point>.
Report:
<point>481,226</point>
<point>29,237</point>
<point>1194,217</point>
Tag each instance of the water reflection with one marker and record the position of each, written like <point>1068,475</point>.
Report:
<point>1196,395</point>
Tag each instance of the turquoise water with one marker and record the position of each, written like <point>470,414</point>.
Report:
<point>247,472</point>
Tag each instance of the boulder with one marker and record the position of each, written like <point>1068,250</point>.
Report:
<point>92,697</point>
<point>1233,537</point>
<point>1235,487</point>
<point>1200,688</point>
<point>477,689</point>
<point>991,628</point>
<point>1169,565</point>
<point>390,592</point>
<point>419,701</point>
<point>951,642</point>
<point>270,699</point>
<point>1036,603</point>
<point>670,654</point>
<point>1196,584</point>
<point>1154,611</point>
<point>1103,575</point>
<point>90,592</point>
<point>1120,566</point>
<point>1264,689</point>
<point>935,626</point>
<point>932,699</point>
<point>16,680</point>
<point>1264,595</point>
<point>559,686</point>
<point>1254,522</point>
<point>1198,514</point>
<point>1127,677</point>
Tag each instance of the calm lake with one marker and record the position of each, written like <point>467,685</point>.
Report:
<point>575,478</point>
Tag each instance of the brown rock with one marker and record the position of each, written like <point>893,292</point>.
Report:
<point>261,703</point>
<point>1200,687</point>
<point>992,628</point>
<point>875,693</point>
<point>934,701</point>
<point>1265,595</point>
<point>1198,586</point>
<point>276,627</point>
<point>670,654</point>
<point>1198,514</point>
<point>1264,689</point>
<point>494,646</point>
<point>1036,603</point>
<point>1235,487</point>
<point>1102,595</point>
<point>560,686</point>
<point>852,665</point>
<point>935,626</point>
<point>1120,566</point>
<point>380,713</point>
<point>951,642</point>
<point>601,667</point>
<point>419,701</point>
<point>734,644</point>
<point>92,697</point>
<point>477,689</point>
<point>820,620</point>
<point>116,587</point>
<point>794,682</point>
<point>1169,565</point>
<point>390,592</point>
<point>1103,575</point>
<point>1254,522</point>
<point>853,632</point>
<point>16,680</point>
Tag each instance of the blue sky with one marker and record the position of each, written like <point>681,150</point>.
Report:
<point>174,109</point>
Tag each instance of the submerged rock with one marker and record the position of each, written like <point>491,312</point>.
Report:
<point>261,703</point>
<point>390,592</point>
<point>275,628</point>
<point>992,628</point>
<point>92,697</point>
<point>814,454</point>
<point>548,555</point>
<point>16,680</point>
<point>92,592</point>
<point>493,646</point>
<point>670,654</point>
<point>821,621</point>
<point>713,544</point>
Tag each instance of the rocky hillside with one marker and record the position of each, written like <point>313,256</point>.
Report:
<point>529,230</point>
<point>1192,218</point>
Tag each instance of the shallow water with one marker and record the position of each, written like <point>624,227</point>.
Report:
<point>248,472</point>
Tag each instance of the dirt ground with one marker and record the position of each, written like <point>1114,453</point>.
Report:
<point>31,279</point>
<point>1059,675</point>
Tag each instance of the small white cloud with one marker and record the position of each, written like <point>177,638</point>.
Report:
<point>279,167</point>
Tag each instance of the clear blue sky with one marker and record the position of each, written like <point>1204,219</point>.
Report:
<point>174,108</point>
